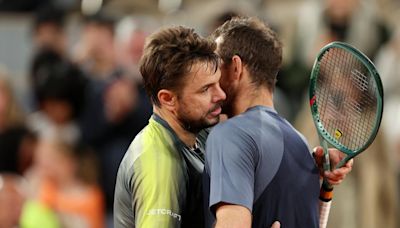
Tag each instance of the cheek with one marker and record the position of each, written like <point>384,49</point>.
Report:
<point>197,105</point>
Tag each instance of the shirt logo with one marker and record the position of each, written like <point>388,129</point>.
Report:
<point>162,211</point>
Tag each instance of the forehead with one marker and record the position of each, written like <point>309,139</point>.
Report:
<point>200,74</point>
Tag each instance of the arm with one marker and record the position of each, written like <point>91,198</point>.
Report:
<point>157,191</point>
<point>229,215</point>
<point>230,165</point>
<point>232,216</point>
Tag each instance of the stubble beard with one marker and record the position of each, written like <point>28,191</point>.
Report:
<point>196,125</point>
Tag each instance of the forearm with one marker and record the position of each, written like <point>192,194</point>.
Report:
<point>232,216</point>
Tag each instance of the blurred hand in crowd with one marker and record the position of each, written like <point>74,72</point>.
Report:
<point>120,99</point>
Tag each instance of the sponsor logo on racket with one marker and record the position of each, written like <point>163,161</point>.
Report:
<point>338,134</point>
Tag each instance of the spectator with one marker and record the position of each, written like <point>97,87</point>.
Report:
<point>118,104</point>
<point>59,88</point>
<point>67,183</point>
<point>48,30</point>
<point>16,143</point>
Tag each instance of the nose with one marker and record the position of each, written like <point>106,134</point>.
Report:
<point>219,94</point>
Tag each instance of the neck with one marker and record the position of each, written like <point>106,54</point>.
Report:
<point>188,138</point>
<point>251,96</point>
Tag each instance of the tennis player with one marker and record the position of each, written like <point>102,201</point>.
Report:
<point>159,182</point>
<point>258,168</point>
<point>159,179</point>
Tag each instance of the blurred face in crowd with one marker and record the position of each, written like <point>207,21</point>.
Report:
<point>59,111</point>
<point>98,40</point>
<point>53,161</point>
<point>49,35</point>
<point>200,99</point>
<point>339,10</point>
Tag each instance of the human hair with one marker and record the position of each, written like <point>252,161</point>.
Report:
<point>87,166</point>
<point>54,77</point>
<point>101,19</point>
<point>169,55</point>
<point>49,15</point>
<point>255,43</point>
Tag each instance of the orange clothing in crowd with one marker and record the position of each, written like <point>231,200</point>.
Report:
<point>84,204</point>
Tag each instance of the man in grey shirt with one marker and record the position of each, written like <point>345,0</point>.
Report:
<point>258,167</point>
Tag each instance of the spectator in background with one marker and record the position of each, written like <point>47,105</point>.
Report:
<point>130,40</point>
<point>130,36</point>
<point>12,198</point>
<point>320,22</point>
<point>369,196</point>
<point>64,179</point>
<point>95,51</point>
<point>113,113</point>
<point>48,30</point>
<point>16,142</point>
<point>387,62</point>
<point>59,88</point>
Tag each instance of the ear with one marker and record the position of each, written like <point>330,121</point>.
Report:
<point>167,99</point>
<point>237,67</point>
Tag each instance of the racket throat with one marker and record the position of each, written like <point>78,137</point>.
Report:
<point>326,192</point>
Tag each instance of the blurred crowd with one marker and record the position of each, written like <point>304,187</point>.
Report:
<point>61,145</point>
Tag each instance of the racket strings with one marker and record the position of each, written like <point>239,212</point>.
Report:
<point>346,98</point>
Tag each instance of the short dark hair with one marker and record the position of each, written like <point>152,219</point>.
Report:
<point>256,44</point>
<point>49,15</point>
<point>54,77</point>
<point>169,55</point>
<point>101,19</point>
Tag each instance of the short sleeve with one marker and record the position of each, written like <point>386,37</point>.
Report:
<point>230,164</point>
<point>157,192</point>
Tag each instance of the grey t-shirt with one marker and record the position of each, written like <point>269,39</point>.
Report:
<point>259,161</point>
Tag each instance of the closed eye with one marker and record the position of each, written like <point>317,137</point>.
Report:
<point>205,88</point>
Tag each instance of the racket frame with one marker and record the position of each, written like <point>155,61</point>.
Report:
<point>314,107</point>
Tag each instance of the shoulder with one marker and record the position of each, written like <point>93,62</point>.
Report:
<point>231,126</point>
<point>248,124</point>
<point>153,141</point>
<point>233,136</point>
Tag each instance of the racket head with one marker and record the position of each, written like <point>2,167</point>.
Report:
<point>346,98</point>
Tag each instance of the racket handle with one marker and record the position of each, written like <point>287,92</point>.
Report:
<point>324,208</point>
<point>325,197</point>
<point>326,192</point>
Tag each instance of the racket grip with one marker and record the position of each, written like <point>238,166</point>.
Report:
<point>325,197</point>
<point>324,208</point>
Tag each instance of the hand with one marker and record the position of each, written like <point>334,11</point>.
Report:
<point>276,225</point>
<point>336,176</point>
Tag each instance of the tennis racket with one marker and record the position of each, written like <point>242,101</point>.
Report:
<point>346,100</point>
